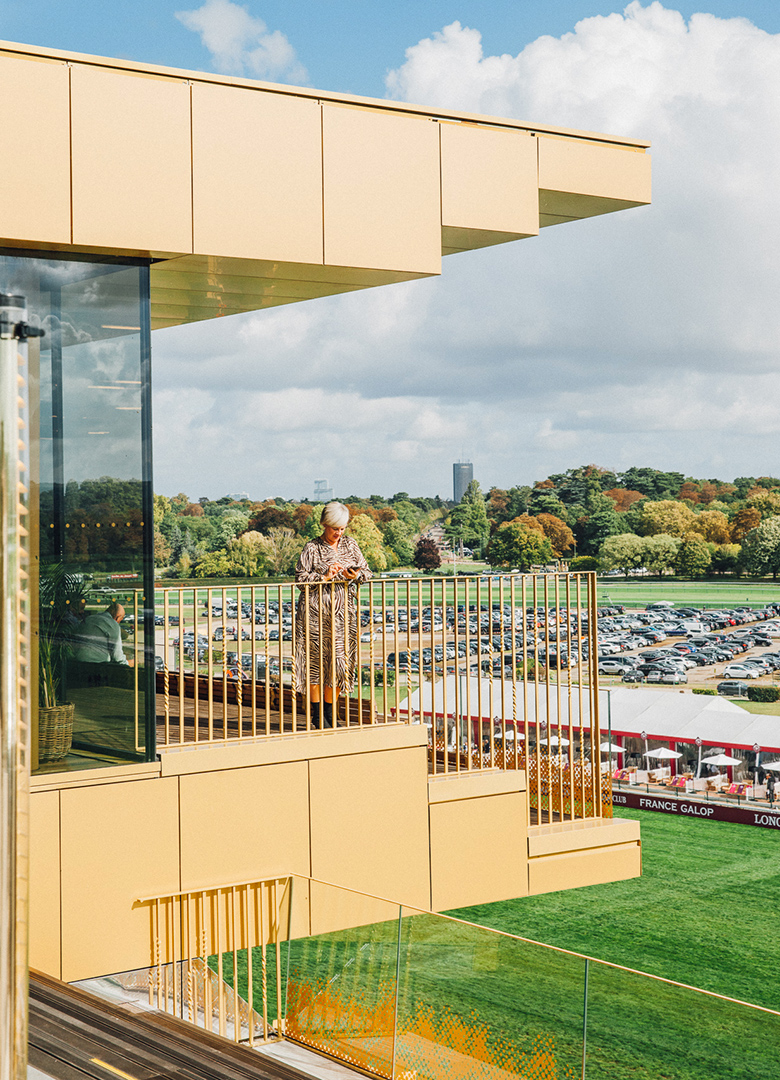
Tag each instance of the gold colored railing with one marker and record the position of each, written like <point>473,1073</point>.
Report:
<point>399,992</point>
<point>501,670</point>
<point>197,938</point>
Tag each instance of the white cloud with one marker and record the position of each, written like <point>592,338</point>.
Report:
<point>241,43</point>
<point>644,337</point>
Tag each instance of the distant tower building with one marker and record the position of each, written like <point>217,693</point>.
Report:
<point>323,492</point>
<point>462,475</point>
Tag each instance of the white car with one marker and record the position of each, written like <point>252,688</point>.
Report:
<point>740,671</point>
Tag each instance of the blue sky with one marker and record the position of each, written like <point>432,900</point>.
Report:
<point>649,337</point>
<point>345,45</point>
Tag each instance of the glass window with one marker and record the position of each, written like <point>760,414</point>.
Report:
<point>90,494</point>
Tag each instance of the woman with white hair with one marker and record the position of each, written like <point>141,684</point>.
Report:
<point>326,628</point>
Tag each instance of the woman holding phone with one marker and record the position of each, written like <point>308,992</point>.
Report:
<point>326,628</point>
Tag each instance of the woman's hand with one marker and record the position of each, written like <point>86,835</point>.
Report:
<point>334,570</point>
<point>351,574</point>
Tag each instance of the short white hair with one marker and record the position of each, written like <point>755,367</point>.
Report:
<point>336,515</point>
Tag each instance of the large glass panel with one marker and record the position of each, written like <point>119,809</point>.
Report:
<point>641,1028</point>
<point>89,384</point>
<point>341,984</point>
<point>476,1004</point>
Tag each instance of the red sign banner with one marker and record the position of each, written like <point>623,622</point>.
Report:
<point>764,817</point>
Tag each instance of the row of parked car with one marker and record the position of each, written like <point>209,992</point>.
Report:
<point>706,638</point>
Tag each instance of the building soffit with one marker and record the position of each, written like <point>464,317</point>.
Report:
<point>250,195</point>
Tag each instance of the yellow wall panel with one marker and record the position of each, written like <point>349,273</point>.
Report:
<point>381,190</point>
<point>244,824</point>
<point>35,177</point>
<point>369,828</point>
<point>131,161</point>
<point>478,851</point>
<point>119,842</point>
<point>45,882</point>
<point>551,873</point>
<point>574,165</point>
<point>257,174</point>
<point>489,179</point>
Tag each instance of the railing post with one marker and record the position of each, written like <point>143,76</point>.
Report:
<point>585,1019</point>
<point>397,988</point>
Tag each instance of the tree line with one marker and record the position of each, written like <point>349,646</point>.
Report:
<point>589,516</point>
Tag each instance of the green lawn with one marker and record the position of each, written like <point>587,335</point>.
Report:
<point>706,910</point>
<point>637,592</point>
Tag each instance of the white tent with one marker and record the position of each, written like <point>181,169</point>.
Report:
<point>663,714</point>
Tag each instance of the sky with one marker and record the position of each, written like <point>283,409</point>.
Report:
<point>648,337</point>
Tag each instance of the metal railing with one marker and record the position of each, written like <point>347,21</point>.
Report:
<point>401,992</point>
<point>501,670</point>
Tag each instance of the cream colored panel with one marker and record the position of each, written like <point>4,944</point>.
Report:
<point>574,165</point>
<point>381,190</point>
<point>119,842</point>
<point>576,835</point>
<point>489,180</point>
<point>244,824</point>
<point>471,861</point>
<point>550,873</point>
<point>338,909</point>
<point>35,177</point>
<point>45,882</point>
<point>131,161</point>
<point>369,824</point>
<point>257,174</point>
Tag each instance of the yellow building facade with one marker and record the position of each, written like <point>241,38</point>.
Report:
<point>218,196</point>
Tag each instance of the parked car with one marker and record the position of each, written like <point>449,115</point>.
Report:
<point>732,688</point>
<point>740,671</point>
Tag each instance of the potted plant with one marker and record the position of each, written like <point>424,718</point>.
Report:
<point>62,598</point>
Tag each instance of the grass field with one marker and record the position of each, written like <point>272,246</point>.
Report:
<point>637,593</point>
<point>706,910</point>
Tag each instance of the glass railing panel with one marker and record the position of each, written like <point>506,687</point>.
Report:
<point>340,988</point>
<point>476,1004</point>
<point>641,1028</point>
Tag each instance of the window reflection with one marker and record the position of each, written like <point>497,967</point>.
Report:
<point>89,390</point>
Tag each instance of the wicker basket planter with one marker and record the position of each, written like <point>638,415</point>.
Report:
<point>55,732</point>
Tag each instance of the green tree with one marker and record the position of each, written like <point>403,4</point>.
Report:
<point>624,551</point>
<point>653,483</point>
<point>666,516</point>
<point>281,548</point>
<point>398,537</point>
<point>515,545</point>
<point>214,564</point>
<point>604,521</point>
<point>761,548</point>
<point>583,562</point>
<point>369,539</point>
<point>726,558</point>
<point>693,558</point>
<point>469,521</point>
<point>247,555</point>
<point>660,552</point>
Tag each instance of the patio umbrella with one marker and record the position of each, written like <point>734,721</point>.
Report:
<point>722,759</point>
<point>555,741</point>
<point>610,748</point>
<point>773,765</point>
<point>663,753</point>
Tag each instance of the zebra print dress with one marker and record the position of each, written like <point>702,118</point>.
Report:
<point>326,625</point>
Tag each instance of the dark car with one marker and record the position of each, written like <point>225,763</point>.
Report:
<point>733,688</point>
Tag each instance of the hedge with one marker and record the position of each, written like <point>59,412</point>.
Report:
<point>704,690</point>
<point>763,693</point>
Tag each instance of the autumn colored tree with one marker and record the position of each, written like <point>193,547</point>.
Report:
<point>623,498</point>
<point>666,516</point>
<point>713,526</point>
<point>272,516</point>
<point>426,555</point>
<point>743,521</point>
<point>193,510</point>
<point>557,532</point>
<point>528,521</point>
<point>369,539</point>
<point>689,492</point>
